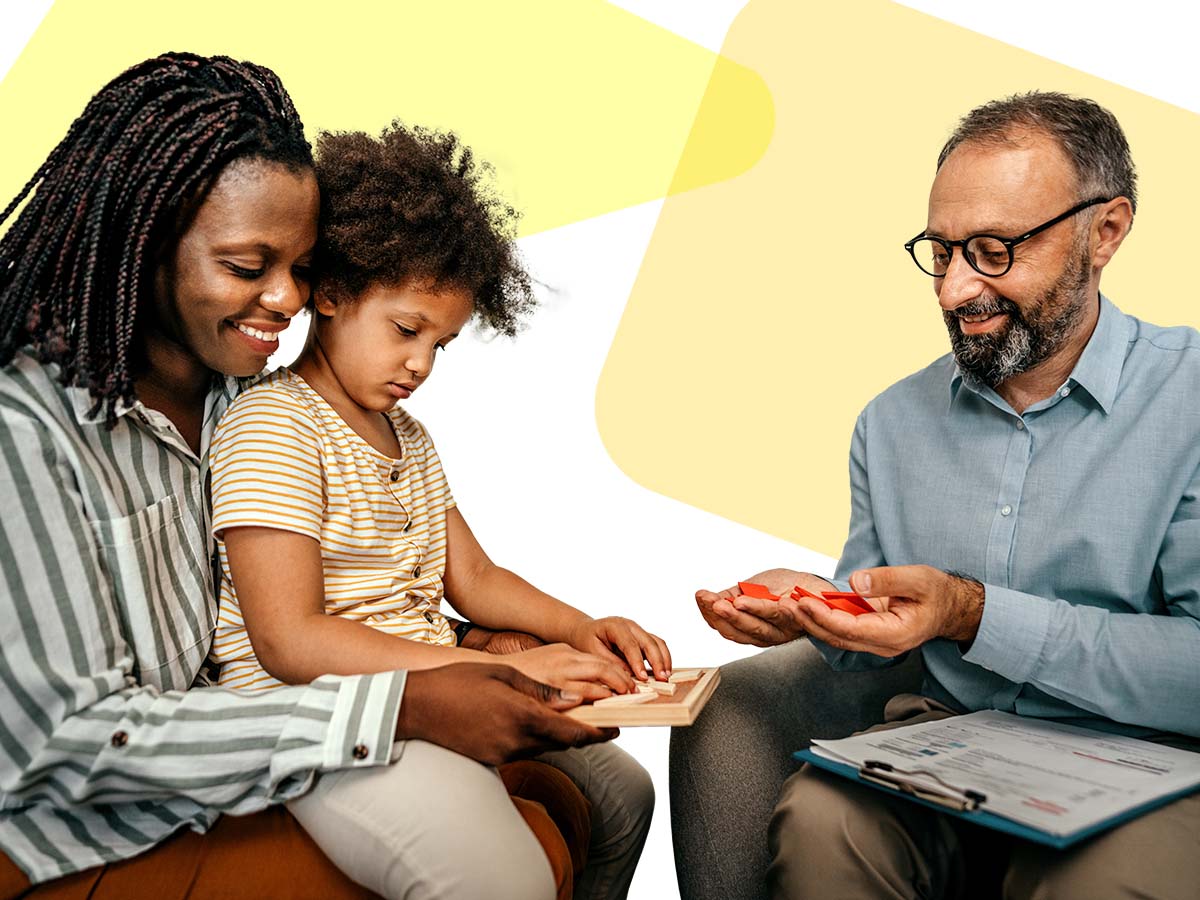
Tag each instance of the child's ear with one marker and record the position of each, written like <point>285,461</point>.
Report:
<point>323,303</point>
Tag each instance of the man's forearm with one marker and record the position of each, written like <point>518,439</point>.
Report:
<point>1129,667</point>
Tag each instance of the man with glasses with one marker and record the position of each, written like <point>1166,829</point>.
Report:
<point>1028,507</point>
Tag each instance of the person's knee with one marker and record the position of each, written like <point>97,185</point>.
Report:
<point>639,791</point>
<point>810,814</point>
<point>1044,874</point>
<point>515,868</point>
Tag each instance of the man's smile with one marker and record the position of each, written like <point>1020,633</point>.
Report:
<point>981,323</point>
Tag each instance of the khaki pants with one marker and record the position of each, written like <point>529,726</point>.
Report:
<point>268,855</point>
<point>832,838</point>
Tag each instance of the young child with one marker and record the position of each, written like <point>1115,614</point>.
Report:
<point>337,533</point>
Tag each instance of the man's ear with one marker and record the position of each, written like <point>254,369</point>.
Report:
<point>323,303</point>
<point>1109,229</point>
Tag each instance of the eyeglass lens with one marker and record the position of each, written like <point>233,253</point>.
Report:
<point>984,254</point>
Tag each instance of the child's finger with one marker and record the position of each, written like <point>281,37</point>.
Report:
<point>665,651</point>
<point>592,668</point>
<point>652,651</point>
<point>589,690</point>
<point>601,649</point>
<point>632,651</point>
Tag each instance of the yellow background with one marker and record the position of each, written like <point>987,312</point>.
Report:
<point>771,307</point>
<point>582,107</point>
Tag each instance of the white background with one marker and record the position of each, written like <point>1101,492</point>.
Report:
<point>514,420</point>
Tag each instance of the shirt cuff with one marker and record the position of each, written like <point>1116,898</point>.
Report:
<point>1012,633</point>
<point>341,722</point>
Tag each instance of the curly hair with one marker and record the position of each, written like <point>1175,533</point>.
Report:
<point>414,203</point>
<point>78,262</point>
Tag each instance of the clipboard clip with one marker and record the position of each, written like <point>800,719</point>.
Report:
<point>944,794</point>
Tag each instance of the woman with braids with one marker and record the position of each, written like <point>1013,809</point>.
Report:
<point>337,533</point>
<point>156,255</point>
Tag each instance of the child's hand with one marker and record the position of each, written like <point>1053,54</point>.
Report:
<point>626,643</point>
<point>571,670</point>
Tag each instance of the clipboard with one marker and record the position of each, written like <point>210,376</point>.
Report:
<point>981,816</point>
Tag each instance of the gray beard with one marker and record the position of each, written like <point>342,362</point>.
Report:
<point>1026,340</point>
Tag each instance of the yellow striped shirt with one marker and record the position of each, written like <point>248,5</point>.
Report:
<point>283,458</point>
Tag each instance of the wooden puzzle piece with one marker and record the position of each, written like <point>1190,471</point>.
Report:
<point>628,699</point>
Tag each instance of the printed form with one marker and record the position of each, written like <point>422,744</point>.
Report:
<point>1056,778</point>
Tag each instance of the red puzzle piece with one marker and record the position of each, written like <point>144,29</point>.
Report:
<point>846,605</point>
<point>757,591</point>
<point>844,598</point>
<point>847,601</point>
<point>798,592</point>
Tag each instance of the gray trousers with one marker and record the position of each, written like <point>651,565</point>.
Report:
<point>732,769</point>
<point>435,825</point>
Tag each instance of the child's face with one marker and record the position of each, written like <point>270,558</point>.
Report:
<point>381,346</point>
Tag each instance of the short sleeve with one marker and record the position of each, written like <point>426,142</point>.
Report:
<point>267,465</point>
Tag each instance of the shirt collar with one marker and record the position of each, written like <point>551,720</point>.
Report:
<point>224,386</point>
<point>1098,369</point>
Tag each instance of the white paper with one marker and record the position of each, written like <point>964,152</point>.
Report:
<point>1056,778</point>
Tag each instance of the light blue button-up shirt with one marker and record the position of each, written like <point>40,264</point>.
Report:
<point>1081,517</point>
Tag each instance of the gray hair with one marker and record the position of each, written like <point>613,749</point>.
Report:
<point>1088,134</point>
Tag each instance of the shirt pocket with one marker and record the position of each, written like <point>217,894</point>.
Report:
<point>158,561</point>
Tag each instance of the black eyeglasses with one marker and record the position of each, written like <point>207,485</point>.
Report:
<point>987,254</point>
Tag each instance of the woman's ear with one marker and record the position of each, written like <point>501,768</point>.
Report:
<point>323,303</point>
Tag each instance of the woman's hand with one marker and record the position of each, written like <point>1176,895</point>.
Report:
<point>569,669</point>
<point>624,642</point>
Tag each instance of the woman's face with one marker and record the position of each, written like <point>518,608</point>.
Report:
<point>240,272</point>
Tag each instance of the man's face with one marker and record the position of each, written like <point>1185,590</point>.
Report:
<point>1001,327</point>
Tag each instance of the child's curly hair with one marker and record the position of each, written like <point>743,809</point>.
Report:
<point>413,203</point>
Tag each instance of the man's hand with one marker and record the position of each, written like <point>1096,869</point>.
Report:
<point>763,623</point>
<point>624,642</point>
<point>922,603</point>
<point>561,666</point>
<point>491,713</point>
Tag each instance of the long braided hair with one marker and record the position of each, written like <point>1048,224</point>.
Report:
<point>79,259</point>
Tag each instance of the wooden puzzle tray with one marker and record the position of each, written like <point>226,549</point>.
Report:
<point>680,708</point>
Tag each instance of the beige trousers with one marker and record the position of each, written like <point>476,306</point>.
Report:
<point>435,825</point>
<point>833,838</point>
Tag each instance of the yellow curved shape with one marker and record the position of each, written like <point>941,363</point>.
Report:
<point>770,308</point>
<point>582,107</point>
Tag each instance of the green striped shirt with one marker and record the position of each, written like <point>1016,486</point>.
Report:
<point>110,738</point>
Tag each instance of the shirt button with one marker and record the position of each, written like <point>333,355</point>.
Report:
<point>409,525</point>
<point>429,617</point>
<point>119,739</point>
<point>1065,392</point>
<point>1006,510</point>
<point>417,572</point>
<point>1020,425</point>
<point>393,476</point>
<point>360,751</point>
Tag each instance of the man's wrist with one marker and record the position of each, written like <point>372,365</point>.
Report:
<point>967,600</point>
